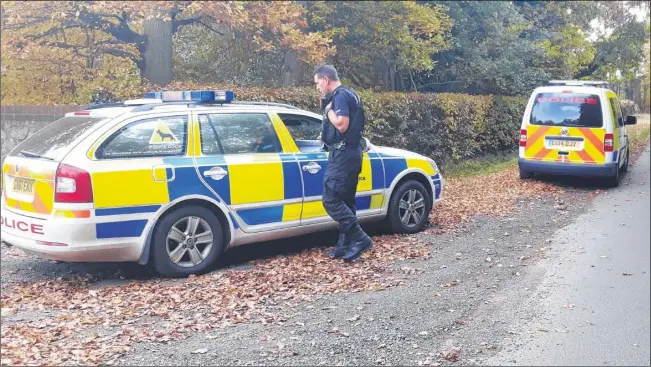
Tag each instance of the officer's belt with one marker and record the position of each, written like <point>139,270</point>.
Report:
<point>337,146</point>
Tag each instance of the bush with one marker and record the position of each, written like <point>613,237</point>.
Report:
<point>446,127</point>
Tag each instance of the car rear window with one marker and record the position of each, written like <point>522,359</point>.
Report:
<point>567,109</point>
<point>54,140</point>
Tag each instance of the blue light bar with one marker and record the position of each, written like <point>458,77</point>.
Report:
<point>224,96</point>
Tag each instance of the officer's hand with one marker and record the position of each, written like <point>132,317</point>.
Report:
<point>329,105</point>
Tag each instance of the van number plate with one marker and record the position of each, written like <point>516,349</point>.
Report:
<point>23,186</point>
<point>565,143</point>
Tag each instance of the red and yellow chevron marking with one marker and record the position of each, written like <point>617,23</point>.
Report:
<point>43,200</point>
<point>593,146</point>
<point>64,213</point>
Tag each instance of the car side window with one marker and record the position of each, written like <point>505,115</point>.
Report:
<point>238,133</point>
<point>617,110</point>
<point>301,127</point>
<point>152,137</point>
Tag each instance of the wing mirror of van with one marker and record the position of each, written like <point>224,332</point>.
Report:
<point>631,120</point>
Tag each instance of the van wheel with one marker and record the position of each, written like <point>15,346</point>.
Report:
<point>625,166</point>
<point>409,207</point>
<point>525,175</point>
<point>613,181</point>
<point>187,241</point>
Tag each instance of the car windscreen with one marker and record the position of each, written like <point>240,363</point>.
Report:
<point>567,109</point>
<point>55,140</point>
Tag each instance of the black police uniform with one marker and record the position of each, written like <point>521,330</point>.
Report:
<point>342,173</point>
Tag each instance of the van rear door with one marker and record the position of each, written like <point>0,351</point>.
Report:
<point>566,127</point>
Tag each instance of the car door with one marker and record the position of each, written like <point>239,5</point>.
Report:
<point>244,163</point>
<point>619,130</point>
<point>130,171</point>
<point>304,131</point>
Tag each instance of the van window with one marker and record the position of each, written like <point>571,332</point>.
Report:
<point>617,111</point>
<point>567,109</point>
<point>55,140</point>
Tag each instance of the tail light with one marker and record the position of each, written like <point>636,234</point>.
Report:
<point>609,143</point>
<point>523,137</point>
<point>73,185</point>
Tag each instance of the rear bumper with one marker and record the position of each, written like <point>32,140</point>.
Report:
<point>568,169</point>
<point>101,252</point>
<point>65,239</point>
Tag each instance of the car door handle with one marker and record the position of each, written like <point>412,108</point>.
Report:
<point>216,173</point>
<point>312,167</point>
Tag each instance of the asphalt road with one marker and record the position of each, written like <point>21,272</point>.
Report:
<point>593,302</point>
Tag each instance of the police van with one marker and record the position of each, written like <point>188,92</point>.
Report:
<point>574,128</point>
<point>178,177</point>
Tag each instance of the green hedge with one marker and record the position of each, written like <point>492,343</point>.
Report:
<point>447,127</point>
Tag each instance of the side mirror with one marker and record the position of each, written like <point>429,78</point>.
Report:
<point>631,120</point>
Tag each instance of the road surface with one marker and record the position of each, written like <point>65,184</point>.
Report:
<point>594,299</point>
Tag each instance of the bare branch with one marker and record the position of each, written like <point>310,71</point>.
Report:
<point>211,28</point>
<point>181,22</point>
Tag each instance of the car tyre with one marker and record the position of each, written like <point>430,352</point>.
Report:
<point>178,251</point>
<point>613,181</point>
<point>406,215</point>
<point>625,166</point>
<point>525,175</point>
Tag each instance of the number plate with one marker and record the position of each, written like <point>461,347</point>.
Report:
<point>565,143</point>
<point>23,186</point>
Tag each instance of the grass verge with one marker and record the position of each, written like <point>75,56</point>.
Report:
<point>481,166</point>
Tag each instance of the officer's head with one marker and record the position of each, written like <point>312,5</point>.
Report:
<point>326,79</point>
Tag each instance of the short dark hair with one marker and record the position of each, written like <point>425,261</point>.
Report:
<point>327,70</point>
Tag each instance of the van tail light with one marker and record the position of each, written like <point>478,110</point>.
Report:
<point>609,143</point>
<point>73,185</point>
<point>523,137</point>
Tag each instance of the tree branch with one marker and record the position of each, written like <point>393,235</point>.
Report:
<point>588,71</point>
<point>211,28</point>
<point>181,22</point>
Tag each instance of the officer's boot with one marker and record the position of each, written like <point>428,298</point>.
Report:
<point>340,248</point>
<point>360,242</point>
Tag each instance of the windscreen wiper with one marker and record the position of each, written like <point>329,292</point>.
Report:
<point>34,155</point>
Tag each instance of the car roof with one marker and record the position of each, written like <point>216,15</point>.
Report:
<point>572,88</point>
<point>114,110</point>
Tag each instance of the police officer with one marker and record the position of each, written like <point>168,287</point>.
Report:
<point>341,134</point>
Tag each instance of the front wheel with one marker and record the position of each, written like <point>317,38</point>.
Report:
<point>409,207</point>
<point>187,241</point>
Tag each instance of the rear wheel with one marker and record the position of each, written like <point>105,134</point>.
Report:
<point>409,207</point>
<point>524,174</point>
<point>613,181</point>
<point>187,241</point>
<point>625,166</point>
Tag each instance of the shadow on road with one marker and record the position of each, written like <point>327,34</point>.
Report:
<point>237,258</point>
<point>579,183</point>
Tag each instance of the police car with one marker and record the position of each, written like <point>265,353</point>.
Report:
<point>574,128</point>
<point>178,177</point>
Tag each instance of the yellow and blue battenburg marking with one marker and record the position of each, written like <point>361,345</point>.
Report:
<point>277,177</point>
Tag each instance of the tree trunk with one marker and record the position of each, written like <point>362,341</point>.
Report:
<point>157,55</point>
<point>292,70</point>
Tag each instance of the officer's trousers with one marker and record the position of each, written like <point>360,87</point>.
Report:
<point>340,186</point>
